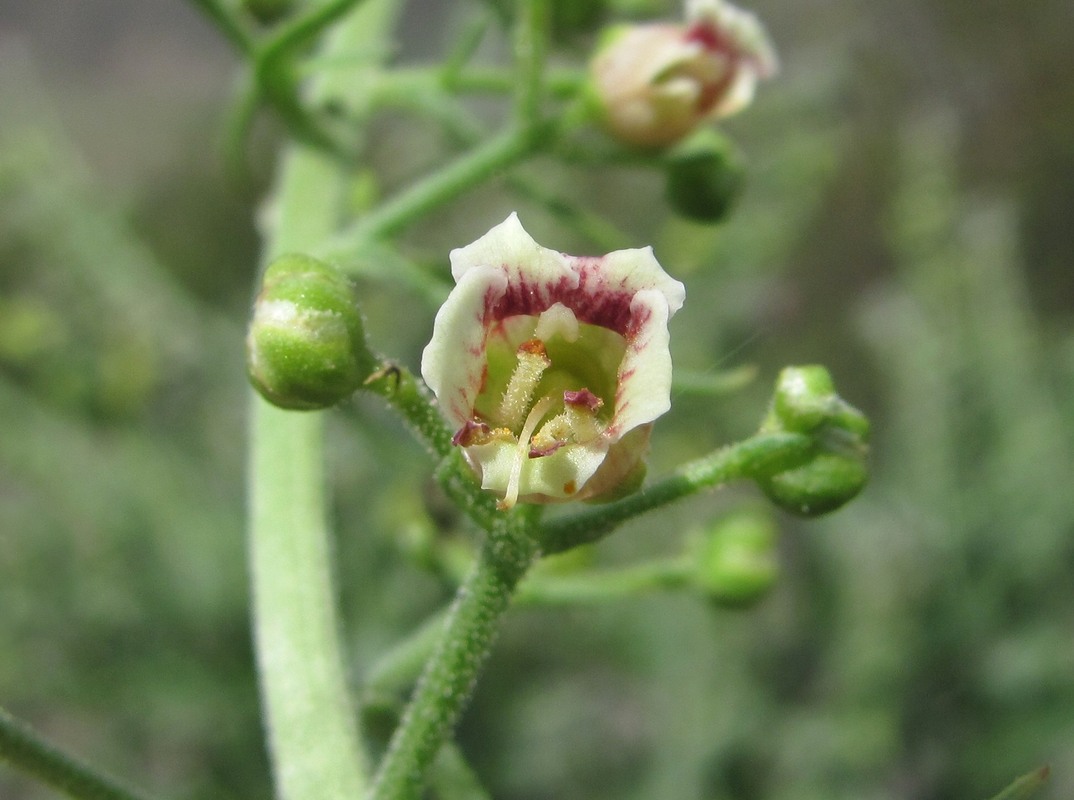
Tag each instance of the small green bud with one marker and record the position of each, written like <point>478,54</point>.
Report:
<point>805,402</point>
<point>705,176</point>
<point>306,348</point>
<point>736,559</point>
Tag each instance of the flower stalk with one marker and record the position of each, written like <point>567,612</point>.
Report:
<point>450,674</point>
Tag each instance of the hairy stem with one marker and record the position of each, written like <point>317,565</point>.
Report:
<point>312,736</point>
<point>531,38</point>
<point>449,677</point>
<point>29,752</point>
<point>759,455</point>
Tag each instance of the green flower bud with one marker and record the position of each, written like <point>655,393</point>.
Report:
<point>805,402</point>
<point>704,177</point>
<point>736,559</point>
<point>306,348</point>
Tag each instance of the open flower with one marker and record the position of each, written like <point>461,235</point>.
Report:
<point>552,367</point>
<point>658,82</point>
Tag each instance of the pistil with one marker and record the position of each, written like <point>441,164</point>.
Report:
<point>522,451</point>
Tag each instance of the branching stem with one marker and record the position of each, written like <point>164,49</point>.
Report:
<point>28,751</point>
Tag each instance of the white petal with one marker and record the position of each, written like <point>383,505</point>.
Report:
<point>644,391</point>
<point>453,361</point>
<point>507,247</point>
<point>558,476</point>
<point>637,269</point>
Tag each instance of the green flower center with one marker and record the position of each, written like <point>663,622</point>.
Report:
<point>555,388</point>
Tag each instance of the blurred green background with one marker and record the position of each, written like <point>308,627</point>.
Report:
<point>907,222</point>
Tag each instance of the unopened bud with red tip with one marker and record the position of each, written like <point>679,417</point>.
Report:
<point>805,402</point>
<point>656,83</point>
<point>306,346</point>
<point>736,559</point>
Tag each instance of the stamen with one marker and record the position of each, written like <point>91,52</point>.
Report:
<point>532,362</point>
<point>577,423</point>
<point>522,451</point>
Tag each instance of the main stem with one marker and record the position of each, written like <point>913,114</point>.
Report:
<point>313,742</point>
<point>449,677</point>
<point>312,736</point>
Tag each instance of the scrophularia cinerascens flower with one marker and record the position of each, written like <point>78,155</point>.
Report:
<point>552,367</point>
<point>657,82</point>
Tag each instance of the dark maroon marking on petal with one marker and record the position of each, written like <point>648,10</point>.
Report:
<point>541,452</point>
<point>707,35</point>
<point>470,433</point>
<point>716,42</point>
<point>588,296</point>
<point>582,398</point>
<point>638,320</point>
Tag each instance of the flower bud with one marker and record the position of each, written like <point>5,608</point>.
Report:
<point>306,348</point>
<point>704,177</point>
<point>655,83</point>
<point>736,559</point>
<point>805,402</point>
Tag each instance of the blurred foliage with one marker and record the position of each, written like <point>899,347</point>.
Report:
<point>905,221</point>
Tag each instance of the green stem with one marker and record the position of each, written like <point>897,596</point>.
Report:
<point>763,454</point>
<point>423,98</point>
<point>468,171</point>
<point>381,261</point>
<point>713,383</point>
<point>412,400</point>
<point>301,31</point>
<point>397,669</point>
<point>312,736</point>
<point>604,585</point>
<point>452,777</point>
<point>448,680</point>
<point>27,751</point>
<point>313,741</point>
<point>465,47</point>
<point>392,87</point>
<point>531,41</point>
<point>227,24</point>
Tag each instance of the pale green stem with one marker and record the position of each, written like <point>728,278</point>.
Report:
<point>604,585</point>
<point>449,677</point>
<point>468,171</point>
<point>763,454</point>
<point>396,670</point>
<point>29,752</point>
<point>313,741</point>
<point>452,777</point>
<point>531,39</point>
